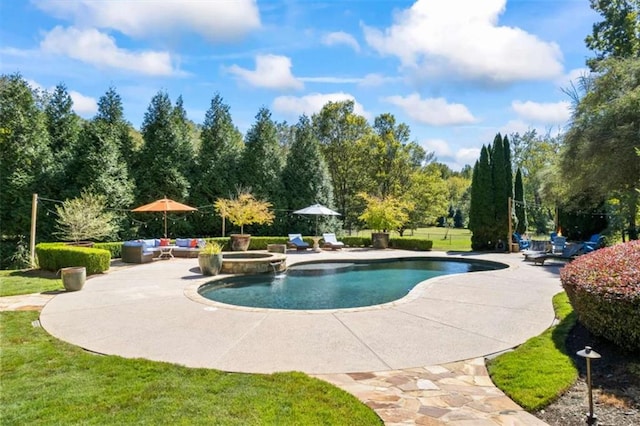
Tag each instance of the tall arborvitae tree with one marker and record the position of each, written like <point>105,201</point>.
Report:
<point>306,180</point>
<point>110,115</point>
<point>520,205</point>
<point>24,153</point>
<point>63,126</point>
<point>482,204</point>
<point>340,131</point>
<point>217,163</point>
<point>99,168</point>
<point>502,189</point>
<point>163,164</point>
<point>262,163</point>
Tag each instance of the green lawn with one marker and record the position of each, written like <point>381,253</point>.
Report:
<point>46,381</point>
<point>453,240</point>
<point>29,281</point>
<point>539,370</point>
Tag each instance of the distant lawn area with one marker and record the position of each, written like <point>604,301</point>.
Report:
<point>28,281</point>
<point>453,240</point>
<point>47,381</point>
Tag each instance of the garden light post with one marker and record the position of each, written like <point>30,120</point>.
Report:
<point>589,355</point>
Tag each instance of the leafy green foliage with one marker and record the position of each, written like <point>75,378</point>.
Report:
<point>410,243</point>
<point>385,214</point>
<point>539,370</point>
<point>245,209</point>
<point>25,153</point>
<point>114,248</point>
<point>604,289</point>
<point>482,206</point>
<point>618,35</point>
<point>45,378</point>
<point>53,256</point>
<point>85,218</point>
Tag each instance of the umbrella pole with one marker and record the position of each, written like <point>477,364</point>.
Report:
<point>165,224</point>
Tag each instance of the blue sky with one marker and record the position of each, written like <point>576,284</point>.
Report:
<point>456,71</point>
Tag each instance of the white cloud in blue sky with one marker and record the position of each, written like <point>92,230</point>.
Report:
<point>456,71</point>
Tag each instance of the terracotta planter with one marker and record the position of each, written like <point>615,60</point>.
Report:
<point>380,240</point>
<point>73,278</point>
<point>210,264</point>
<point>240,242</point>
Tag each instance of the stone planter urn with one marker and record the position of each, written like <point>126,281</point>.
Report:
<point>210,264</point>
<point>240,242</point>
<point>380,240</point>
<point>73,278</point>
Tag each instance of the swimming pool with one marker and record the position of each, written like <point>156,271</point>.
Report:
<point>337,284</point>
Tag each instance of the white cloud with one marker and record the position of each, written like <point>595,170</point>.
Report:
<point>544,113</point>
<point>99,49</point>
<point>83,105</point>
<point>331,80</point>
<point>439,146</point>
<point>462,38</point>
<point>295,106</point>
<point>572,77</point>
<point>340,37</point>
<point>272,72</point>
<point>375,80</point>
<point>216,20</point>
<point>432,111</point>
<point>466,156</point>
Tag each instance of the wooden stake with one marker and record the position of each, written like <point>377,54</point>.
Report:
<point>510,226</point>
<point>32,242</point>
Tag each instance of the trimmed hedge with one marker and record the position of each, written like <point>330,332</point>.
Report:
<point>54,256</point>
<point>355,241</point>
<point>604,290</point>
<point>410,243</point>
<point>114,248</point>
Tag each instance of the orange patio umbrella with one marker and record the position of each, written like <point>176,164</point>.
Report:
<point>164,205</point>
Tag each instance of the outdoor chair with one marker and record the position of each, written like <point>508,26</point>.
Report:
<point>569,252</point>
<point>331,242</point>
<point>523,244</point>
<point>595,242</point>
<point>296,242</point>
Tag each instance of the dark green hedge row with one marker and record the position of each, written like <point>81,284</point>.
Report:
<point>53,256</point>
<point>355,241</point>
<point>604,290</point>
<point>411,243</point>
<point>114,248</point>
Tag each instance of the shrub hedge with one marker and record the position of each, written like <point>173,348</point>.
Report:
<point>604,290</point>
<point>53,256</point>
<point>410,243</point>
<point>355,241</point>
<point>114,248</point>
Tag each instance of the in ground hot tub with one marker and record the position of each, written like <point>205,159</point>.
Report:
<point>253,263</point>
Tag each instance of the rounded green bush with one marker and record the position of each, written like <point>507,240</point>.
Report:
<point>604,290</point>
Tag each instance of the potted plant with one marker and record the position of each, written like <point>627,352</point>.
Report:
<point>242,210</point>
<point>383,215</point>
<point>210,258</point>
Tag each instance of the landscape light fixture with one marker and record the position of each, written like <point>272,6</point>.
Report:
<point>589,354</point>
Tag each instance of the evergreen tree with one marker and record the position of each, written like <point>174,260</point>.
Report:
<point>306,180</point>
<point>262,164</point>
<point>63,126</point>
<point>520,205</point>
<point>217,162</point>
<point>110,115</point>
<point>99,168</point>
<point>24,150</point>
<point>502,188</point>
<point>482,204</point>
<point>163,164</point>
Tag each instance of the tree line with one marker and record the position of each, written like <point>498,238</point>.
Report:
<point>328,158</point>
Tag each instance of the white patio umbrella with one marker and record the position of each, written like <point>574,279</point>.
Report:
<point>317,210</point>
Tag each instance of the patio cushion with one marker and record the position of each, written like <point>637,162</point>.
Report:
<point>182,242</point>
<point>193,243</point>
<point>164,242</point>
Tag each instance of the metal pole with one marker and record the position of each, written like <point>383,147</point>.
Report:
<point>32,241</point>
<point>510,226</point>
<point>589,354</point>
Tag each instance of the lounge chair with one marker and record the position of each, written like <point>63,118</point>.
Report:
<point>558,244</point>
<point>595,242</point>
<point>569,253</point>
<point>295,241</point>
<point>331,242</point>
<point>522,243</point>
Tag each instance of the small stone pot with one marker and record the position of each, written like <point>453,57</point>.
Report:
<point>240,242</point>
<point>73,278</point>
<point>380,240</point>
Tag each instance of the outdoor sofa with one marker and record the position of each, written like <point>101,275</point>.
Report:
<point>142,251</point>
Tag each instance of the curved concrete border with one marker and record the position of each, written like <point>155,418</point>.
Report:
<point>144,312</point>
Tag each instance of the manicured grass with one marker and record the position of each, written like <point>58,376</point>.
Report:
<point>28,281</point>
<point>46,381</point>
<point>539,370</point>
<point>456,239</point>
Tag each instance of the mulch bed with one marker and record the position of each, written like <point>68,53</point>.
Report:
<point>616,386</point>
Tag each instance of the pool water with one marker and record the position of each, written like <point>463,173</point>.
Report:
<point>335,285</point>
